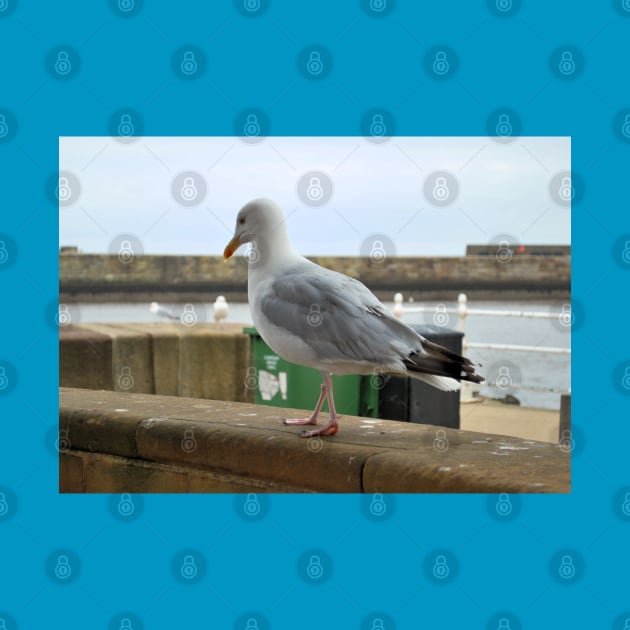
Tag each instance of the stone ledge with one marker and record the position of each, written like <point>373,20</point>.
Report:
<point>122,442</point>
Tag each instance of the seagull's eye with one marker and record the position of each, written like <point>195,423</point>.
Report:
<point>241,221</point>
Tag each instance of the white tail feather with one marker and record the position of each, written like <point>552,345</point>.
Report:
<point>444,383</point>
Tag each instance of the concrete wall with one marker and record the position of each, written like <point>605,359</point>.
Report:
<point>201,361</point>
<point>120,442</point>
<point>106,277</point>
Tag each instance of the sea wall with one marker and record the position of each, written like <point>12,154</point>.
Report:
<point>118,442</point>
<point>100,277</point>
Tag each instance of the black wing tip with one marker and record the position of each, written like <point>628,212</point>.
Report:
<point>441,361</point>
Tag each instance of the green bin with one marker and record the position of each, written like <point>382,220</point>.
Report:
<point>279,383</point>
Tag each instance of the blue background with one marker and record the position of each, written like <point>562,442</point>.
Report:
<point>375,567</point>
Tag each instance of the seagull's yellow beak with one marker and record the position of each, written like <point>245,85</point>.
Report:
<point>231,247</point>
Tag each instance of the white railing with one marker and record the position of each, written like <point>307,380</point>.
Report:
<point>470,391</point>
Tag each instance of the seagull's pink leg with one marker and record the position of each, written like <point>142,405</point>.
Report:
<point>333,426</point>
<point>313,417</point>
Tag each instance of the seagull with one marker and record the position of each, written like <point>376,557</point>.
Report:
<point>220,309</point>
<point>325,320</point>
<point>159,310</point>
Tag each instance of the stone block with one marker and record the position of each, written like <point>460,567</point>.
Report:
<point>85,358</point>
<point>165,342</point>
<point>132,357</point>
<point>213,362</point>
<point>71,472</point>
<point>111,474</point>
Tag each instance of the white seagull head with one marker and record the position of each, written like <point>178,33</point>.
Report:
<point>260,218</point>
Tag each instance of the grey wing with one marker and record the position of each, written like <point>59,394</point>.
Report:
<point>338,316</point>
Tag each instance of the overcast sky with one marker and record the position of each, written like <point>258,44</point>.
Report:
<point>379,191</point>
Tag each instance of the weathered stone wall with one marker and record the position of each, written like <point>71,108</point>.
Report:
<point>119,442</point>
<point>202,361</point>
<point>92,276</point>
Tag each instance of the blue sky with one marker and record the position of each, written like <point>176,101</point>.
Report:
<point>379,191</point>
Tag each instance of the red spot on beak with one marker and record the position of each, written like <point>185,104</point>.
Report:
<point>230,248</point>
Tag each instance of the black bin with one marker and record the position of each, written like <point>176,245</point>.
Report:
<point>411,400</point>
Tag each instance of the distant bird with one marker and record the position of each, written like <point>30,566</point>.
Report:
<point>160,311</point>
<point>325,320</point>
<point>221,309</point>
